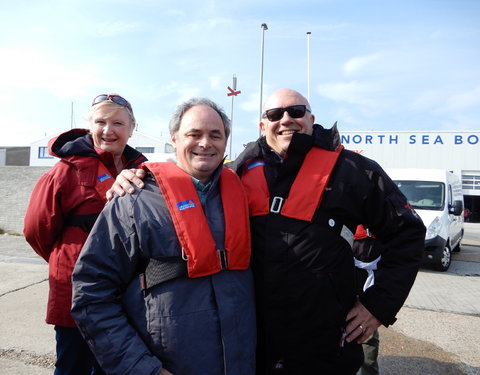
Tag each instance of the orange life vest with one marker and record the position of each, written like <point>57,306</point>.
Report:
<point>305,194</point>
<point>198,245</point>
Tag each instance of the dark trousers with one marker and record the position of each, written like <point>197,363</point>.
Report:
<point>73,354</point>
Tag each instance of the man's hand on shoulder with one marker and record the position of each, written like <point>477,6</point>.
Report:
<point>125,181</point>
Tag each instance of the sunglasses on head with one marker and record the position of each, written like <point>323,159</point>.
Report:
<point>114,98</point>
<point>294,111</point>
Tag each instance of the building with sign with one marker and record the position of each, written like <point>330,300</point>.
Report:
<point>457,151</point>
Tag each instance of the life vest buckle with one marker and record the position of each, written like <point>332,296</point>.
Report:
<point>276,206</point>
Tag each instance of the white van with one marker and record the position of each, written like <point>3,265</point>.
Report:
<point>436,195</point>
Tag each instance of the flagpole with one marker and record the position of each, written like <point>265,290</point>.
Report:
<point>232,92</point>
<point>230,156</point>
<point>264,27</point>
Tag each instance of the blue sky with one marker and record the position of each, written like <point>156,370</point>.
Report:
<point>374,65</point>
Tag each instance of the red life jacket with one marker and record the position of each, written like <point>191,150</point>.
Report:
<point>305,194</point>
<point>191,226</point>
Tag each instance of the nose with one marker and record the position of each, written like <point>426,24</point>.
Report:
<point>286,117</point>
<point>204,142</point>
<point>107,128</point>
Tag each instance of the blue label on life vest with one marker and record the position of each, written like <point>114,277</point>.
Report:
<point>103,177</point>
<point>255,163</point>
<point>185,205</point>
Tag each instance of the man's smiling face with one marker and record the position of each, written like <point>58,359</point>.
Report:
<point>279,133</point>
<point>200,142</point>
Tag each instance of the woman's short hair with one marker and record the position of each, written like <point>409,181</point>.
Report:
<point>177,116</point>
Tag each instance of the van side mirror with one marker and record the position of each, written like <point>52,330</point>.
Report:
<point>456,208</point>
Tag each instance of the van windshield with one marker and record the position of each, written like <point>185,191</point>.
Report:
<point>423,195</point>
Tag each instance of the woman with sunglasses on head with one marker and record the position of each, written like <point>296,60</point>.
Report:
<point>64,206</point>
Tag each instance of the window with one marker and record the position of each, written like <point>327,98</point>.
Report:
<point>470,182</point>
<point>146,150</point>
<point>43,153</point>
<point>424,195</point>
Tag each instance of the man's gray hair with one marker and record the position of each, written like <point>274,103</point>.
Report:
<point>177,116</point>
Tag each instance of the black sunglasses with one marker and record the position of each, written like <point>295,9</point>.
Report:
<point>294,111</point>
<point>114,98</point>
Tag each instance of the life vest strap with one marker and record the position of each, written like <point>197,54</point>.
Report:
<point>159,271</point>
<point>222,255</point>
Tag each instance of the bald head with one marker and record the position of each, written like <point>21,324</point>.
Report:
<point>284,95</point>
<point>296,119</point>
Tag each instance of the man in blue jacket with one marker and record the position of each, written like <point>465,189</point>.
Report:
<point>163,285</point>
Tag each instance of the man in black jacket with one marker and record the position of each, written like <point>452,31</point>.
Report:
<point>306,196</point>
<point>309,319</point>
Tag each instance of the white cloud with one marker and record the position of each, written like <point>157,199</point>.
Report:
<point>353,92</point>
<point>251,103</point>
<point>214,82</point>
<point>30,68</point>
<point>179,91</point>
<point>358,64</point>
<point>465,100</point>
<point>444,101</point>
<point>429,100</point>
<point>111,29</point>
<point>185,93</point>
<point>459,121</point>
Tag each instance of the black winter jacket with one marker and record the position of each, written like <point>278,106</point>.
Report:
<point>304,271</point>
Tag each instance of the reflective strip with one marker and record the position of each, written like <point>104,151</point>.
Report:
<point>347,235</point>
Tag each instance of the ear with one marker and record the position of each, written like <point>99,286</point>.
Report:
<point>262,126</point>
<point>173,140</point>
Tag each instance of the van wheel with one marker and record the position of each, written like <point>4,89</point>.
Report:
<point>445,259</point>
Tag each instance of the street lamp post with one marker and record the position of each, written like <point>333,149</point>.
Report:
<point>308,65</point>
<point>264,27</point>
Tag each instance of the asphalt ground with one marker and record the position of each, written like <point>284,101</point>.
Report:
<point>437,331</point>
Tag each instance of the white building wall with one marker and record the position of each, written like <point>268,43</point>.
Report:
<point>458,151</point>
